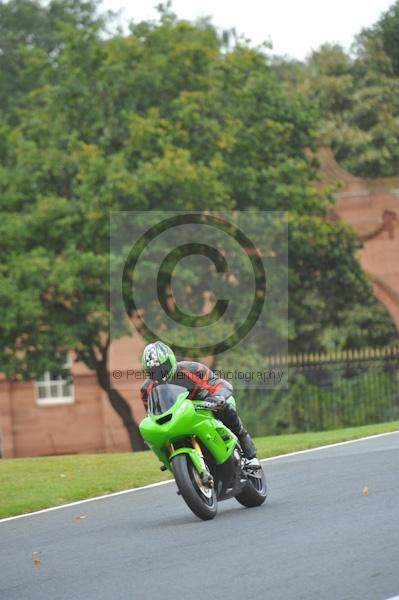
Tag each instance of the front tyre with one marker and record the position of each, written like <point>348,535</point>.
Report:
<point>201,500</point>
<point>254,492</point>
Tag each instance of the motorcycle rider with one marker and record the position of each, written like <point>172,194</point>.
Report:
<point>161,366</point>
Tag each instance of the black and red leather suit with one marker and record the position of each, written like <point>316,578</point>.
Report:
<point>202,384</point>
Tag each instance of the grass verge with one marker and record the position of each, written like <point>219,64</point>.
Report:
<point>29,484</point>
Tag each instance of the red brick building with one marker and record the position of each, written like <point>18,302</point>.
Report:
<point>70,418</point>
<point>372,208</point>
<point>53,416</point>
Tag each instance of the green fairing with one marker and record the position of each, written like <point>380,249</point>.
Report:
<point>186,421</point>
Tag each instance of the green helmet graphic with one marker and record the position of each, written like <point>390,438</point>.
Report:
<point>159,362</point>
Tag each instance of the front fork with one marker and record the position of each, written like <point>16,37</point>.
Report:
<point>205,476</point>
<point>196,456</point>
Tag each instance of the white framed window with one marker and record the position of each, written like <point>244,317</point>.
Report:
<point>56,386</point>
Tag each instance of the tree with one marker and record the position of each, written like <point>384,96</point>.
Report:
<point>166,117</point>
<point>27,26</point>
<point>387,31</point>
<point>357,96</point>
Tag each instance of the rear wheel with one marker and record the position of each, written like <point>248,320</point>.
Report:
<point>254,492</point>
<point>200,499</point>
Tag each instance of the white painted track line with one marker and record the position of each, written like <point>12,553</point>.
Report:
<point>159,483</point>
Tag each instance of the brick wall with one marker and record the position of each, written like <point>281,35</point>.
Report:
<point>88,425</point>
<point>371,207</point>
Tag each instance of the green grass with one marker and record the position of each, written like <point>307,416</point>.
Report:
<point>28,484</point>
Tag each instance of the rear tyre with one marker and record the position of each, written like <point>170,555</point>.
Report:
<point>202,501</point>
<point>254,492</point>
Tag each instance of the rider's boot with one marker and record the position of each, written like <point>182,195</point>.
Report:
<point>246,443</point>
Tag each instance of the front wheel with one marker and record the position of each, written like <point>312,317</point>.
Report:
<point>254,492</point>
<point>199,498</point>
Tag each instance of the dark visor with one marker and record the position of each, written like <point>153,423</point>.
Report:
<point>161,372</point>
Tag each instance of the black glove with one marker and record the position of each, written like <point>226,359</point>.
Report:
<point>216,402</point>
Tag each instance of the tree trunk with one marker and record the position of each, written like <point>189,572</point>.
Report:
<point>121,406</point>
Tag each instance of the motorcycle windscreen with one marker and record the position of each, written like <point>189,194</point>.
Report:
<point>163,397</point>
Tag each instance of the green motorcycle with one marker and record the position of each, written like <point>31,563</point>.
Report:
<point>204,456</point>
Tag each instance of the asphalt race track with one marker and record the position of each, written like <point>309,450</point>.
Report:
<point>320,535</point>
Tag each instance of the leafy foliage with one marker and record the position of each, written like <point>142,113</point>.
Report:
<point>322,397</point>
<point>358,96</point>
<point>169,116</point>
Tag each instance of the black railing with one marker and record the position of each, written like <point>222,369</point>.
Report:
<point>326,391</point>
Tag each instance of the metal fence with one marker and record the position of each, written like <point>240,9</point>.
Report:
<point>327,391</point>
